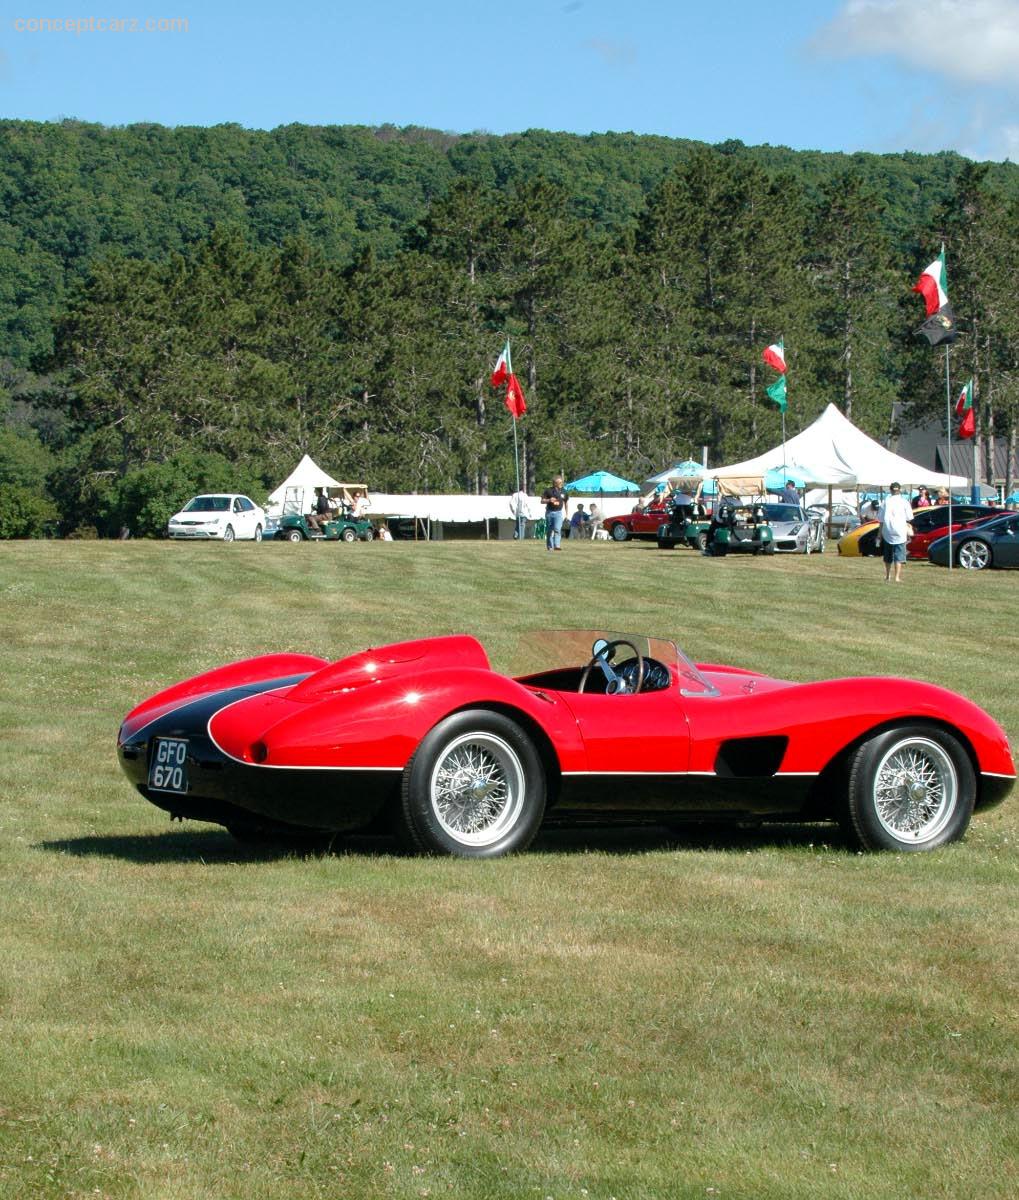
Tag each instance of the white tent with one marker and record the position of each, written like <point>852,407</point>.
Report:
<point>458,508</point>
<point>832,451</point>
<point>307,475</point>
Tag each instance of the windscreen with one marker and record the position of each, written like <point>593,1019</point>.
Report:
<point>208,504</point>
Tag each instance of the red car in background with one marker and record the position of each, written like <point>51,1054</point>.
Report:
<point>641,523</point>
<point>929,524</point>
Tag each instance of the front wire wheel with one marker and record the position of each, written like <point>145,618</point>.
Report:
<point>911,788</point>
<point>475,787</point>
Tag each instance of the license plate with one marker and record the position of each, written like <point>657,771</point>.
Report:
<point>168,770</point>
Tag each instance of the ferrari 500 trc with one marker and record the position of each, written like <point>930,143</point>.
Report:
<point>426,737</point>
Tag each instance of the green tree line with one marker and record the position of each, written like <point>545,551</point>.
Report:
<point>218,302</point>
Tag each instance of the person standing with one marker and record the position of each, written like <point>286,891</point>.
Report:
<point>519,510</point>
<point>895,516</point>
<point>555,501</point>
<point>789,493</point>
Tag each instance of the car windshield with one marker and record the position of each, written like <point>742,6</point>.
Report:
<point>208,504</point>
<point>542,652</point>
<point>782,512</point>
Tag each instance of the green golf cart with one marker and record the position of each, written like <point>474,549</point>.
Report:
<point>341,525</point>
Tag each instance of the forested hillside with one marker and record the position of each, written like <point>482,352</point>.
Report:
<point>198,307</point>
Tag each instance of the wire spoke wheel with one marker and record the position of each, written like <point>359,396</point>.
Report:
<point>915,790</point>
<point>911,787</point>
<point>477,788</point>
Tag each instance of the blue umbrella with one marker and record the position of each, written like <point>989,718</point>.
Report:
<point>775,478</point>
<point>602,482</point>
<point>1013,499</point>
<point>688,469</point>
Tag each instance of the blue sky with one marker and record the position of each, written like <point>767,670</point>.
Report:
<point>878,75</point>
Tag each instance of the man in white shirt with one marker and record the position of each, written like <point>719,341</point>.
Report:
<point>520,510</point>
<point>895,516</point>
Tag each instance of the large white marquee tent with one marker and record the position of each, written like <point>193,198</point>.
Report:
<point>834,453</point>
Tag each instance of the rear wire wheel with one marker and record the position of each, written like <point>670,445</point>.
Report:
<point>910,788</point>
<point>474,788</point>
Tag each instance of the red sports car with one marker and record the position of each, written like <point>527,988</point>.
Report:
<point>426,737</point>
<point>641,523</point>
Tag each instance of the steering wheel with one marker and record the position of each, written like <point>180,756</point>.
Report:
<point>616,683</point>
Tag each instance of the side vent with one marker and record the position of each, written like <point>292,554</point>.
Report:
<point>750,758</point>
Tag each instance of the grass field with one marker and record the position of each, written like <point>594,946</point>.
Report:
<point>634,1016</point>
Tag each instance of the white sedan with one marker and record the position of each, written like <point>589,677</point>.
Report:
<point>221,516</point>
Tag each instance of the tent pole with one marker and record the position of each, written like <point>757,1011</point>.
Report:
<point>948,411</point>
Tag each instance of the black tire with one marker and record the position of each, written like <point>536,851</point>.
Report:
<point>349,534</point>
<point>501,757</point>
<point>228,534</point>
<point>973,555</point>
<point>619,532</point>
<point>258,533</point>
<point>701,541</point>
<point>369,535</point>
<point>295,535</point>
<point>910,788</point>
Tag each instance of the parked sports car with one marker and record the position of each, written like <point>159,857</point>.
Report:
<point>463,760</point>
<point>928,525</point>
<point>861,542</point>
<point>993,543</point>
<point>218,517</point>
<point>795,529</point>
<point>641,523</point>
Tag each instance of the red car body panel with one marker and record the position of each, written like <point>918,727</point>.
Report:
<point>275,718</point>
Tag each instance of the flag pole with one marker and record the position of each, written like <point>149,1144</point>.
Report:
<point>516,452</point>
<point>948,411</point>
<point>782,340</point>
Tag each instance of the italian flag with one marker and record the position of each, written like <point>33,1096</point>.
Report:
<point>777,392</point>
<point>774,356</point>
<point>933,285</point>
<point>964,409</point>
<point>503,369</point>
<point>515,401</point>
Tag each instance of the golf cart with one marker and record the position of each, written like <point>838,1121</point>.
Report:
<point>342,525</point>
<point>740,529</point>
<point>687,524</point>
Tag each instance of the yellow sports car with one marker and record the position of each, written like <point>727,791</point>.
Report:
<point>862,541</point>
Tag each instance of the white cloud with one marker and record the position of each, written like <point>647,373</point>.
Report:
<point>971,41</point>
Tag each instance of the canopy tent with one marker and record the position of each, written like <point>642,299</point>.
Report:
<point>457,509</point>
<point>687,469</point>
<point>602,483</point>
<point>307,475</point>
<point>833,452</point>
<point>775,478</point>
